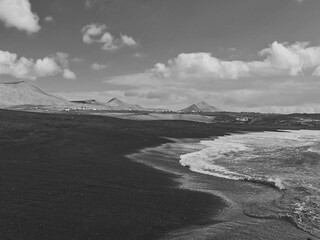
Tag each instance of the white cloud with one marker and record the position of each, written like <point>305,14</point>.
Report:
<point>195,65</point>
<point>284,78</point>
<point>68,74</point>
<point>18,14</point>
<point>280,59</point>
<point>128,41</point>
<point>46,67</point>
<point>11,64</point>
<point>97,66</point>
<point>108,41</point>
<point>96,33</point>
<point>48,19</point>
<point>292,59</point>
<point>92,30</point>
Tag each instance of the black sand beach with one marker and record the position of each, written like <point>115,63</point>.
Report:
<point>68,177</point>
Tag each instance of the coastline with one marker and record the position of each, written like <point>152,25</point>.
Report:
<point>234,221</point>
<point>67,176</point>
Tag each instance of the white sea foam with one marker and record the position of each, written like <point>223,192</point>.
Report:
<point>203,161</point>
<point>280,159</point>
<point>220,155</point>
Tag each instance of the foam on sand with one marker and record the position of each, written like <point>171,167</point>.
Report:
<point>287,160</point>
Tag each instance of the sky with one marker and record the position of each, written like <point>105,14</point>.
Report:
<point>237,55</point>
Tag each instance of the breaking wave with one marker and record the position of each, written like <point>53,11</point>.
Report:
<point>288,160</point>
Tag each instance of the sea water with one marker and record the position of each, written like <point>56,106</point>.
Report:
<point>287,160</point>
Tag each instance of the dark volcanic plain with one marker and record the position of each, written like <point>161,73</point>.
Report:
<point>66,177</point>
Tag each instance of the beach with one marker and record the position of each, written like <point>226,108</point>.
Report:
<point>234,221</point>
<point>68,176</point>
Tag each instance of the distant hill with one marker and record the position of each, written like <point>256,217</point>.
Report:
<point>25,93</point>
<point>118,105</point>
<point>200,107</point>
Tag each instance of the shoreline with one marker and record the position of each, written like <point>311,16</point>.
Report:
<point>234,211</point>
<point>184,177</point>
<point>67,176</point>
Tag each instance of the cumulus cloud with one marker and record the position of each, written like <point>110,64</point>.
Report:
<point>128,41</point>
<point>92,30</point>
<point>18,14</point>
<point>28,68</point>
<point>96,33</point>
<point>195,65</point>
<point>68,74</point>
<point>292,59</point>
<point>45,67</point>
<point>284,78</point>
<point>280,59</point>
<point>97,66</point>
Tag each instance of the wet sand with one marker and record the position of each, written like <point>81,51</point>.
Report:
<point>67,177</point>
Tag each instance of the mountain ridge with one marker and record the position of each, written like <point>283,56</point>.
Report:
<point>23,93</point>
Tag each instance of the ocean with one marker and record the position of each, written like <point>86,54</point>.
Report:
<point>286,160</point>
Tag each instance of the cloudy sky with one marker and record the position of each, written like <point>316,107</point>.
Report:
<point>242,55</point>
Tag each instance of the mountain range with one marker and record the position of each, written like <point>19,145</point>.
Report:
<point>24,93</point>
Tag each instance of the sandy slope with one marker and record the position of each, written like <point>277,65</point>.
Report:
<point>20,93</point>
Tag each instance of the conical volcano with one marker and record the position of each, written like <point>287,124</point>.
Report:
<point>119,105</point>
<point>200,107</point>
